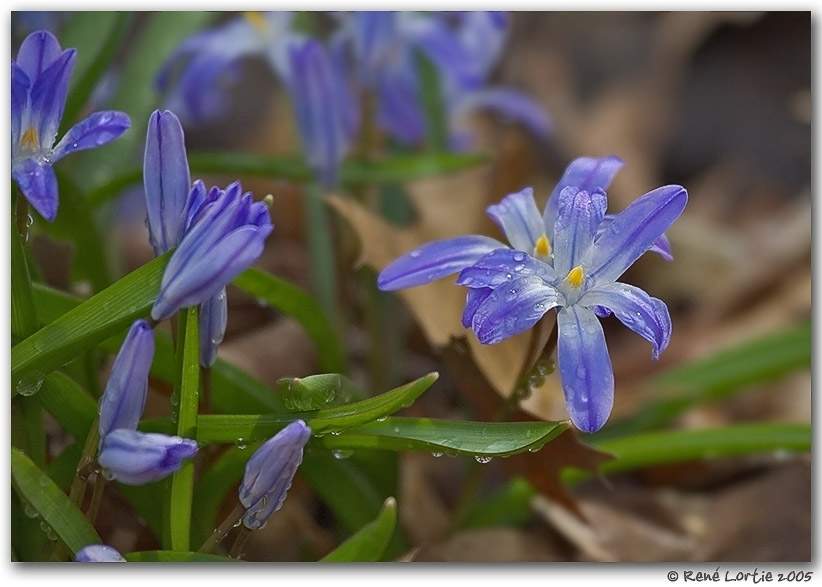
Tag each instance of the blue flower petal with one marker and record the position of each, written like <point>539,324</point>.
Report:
<point>435,260</point>
<point>643,314</point>
<point>513,308</point>
<point>661,246</point>
<point>212,321</point>
<point>19,101</point>
<point>580,214</point>
<point>48,98</point>
<point>586,174</point>
<point>37,52</point>
<point>166,180</point>
<point>137,458</point>
<point>585,368</point>
<point>518,217</point>
<point>512,105</point>
<point>634,230</point>
<point>473,301</point>
<point>39,185</point>
<point>98,553</point>
<point>124,398</point>
<point>502,266</point>
<point>94,131</point>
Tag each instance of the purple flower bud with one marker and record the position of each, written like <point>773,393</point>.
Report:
<point>98,553</point>
<point>137,458</point>
<point>125,396</point>
<point>225,237</point>
<point>269,472</point>
<point>167,181</point>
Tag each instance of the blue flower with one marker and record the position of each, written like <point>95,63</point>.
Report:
<point>175,206</point>
<point>225,235</point>
<point>124,398</point>
<point>516,290</point>
<point>39,84</point>
<point>568,258</point>
<point>137,458</point>
<point>269,473</point>
<point>98,553</point>
<point>383,48</point>
<point>209,62</point>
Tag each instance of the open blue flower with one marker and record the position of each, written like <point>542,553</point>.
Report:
<point>516,290</point>
<point>39,84</point>
<point>122,402</point>
<point>269,473</point>
<point>137,458</point>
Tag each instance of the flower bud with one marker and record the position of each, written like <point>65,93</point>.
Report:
<point>98,553</point>
<point>137,458</point>
<point>121,405</point>
<point>269,473</point>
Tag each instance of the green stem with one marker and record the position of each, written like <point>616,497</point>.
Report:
<point>223,529</point>
<point>321,256</point>
<point>187,391</point>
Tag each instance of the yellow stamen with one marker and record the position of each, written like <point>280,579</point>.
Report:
<point>256,19</point>
<point>30,140</point>
<point>575,276</point>
<point>268,201</point>
<point>543,247</point>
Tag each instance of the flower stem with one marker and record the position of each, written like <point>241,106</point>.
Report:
<point>223,529</point>
<point>322,262</point>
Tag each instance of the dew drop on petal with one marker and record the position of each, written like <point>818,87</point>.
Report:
<point>415,253</point>
<point>519,256</point>
<point>581,372</point>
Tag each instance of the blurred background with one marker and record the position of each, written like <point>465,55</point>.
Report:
<point>717,102</point>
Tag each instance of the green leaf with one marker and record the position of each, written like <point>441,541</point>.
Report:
<point>318,391</point>
<point>509,506</point>
<point>187,390</point>
<point>80,329</point>
<point>23,313</point>
<point>478,439</point>
<point>717,377</point>
<point>666,447</point>
<point>370,542</point>
<point>175,556</point>
<point>230,429</point>
<point>296,303</point>
<point>437,132</point>
<point>211,488</point>
<point>51,504</point>
<point>70,405</point>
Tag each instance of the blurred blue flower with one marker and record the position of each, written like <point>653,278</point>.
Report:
<point>98,553</point>
<point>201,69</point>
<point>124,398</point>
<point>137,458</point>
<point>226,234</point>
<point>269,473</point>
<point>39,84</point>
<point>327,116</point>
<point>212,324</point>
<point>382,47</point>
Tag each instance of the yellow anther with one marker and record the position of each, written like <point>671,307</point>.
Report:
<point>575,276</point>
<point>29,140</point>
<point>268,201</point>
<point>256,19</point>
<point>543,247</point>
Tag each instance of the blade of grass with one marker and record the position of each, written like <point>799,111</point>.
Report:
<point>370,542</point>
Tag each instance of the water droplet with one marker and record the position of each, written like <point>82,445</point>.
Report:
<point>482,459</point>
<point>342,454</point>
<point>436,454</point>
<point>581,372</point>
<point>383,419</point>
<point>262,303</point>
<point>174,399</point>
<point>28,387</point>
<point>467,280</point>
<point>536,381</point>
<point>29,220</point>
<point>415,253</point>
<point>508,276</point>
<point>539,307</point>
<point>519,267</point>
<point>74,145</point>
<point>30,511</point>
<point>44,481</point>
<point>511,295</point>
<point>519,256</point>
<point>241,443</point>
<point>335,432</point>
<point>536,448</point>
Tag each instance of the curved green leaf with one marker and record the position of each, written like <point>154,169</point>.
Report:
<point>51,504</point>
<point>318,391</point>
<point>80,329</point>
<point>478,439</point>
<point>293,301</point>
<point>230,429</point>
<point>370,542</point>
